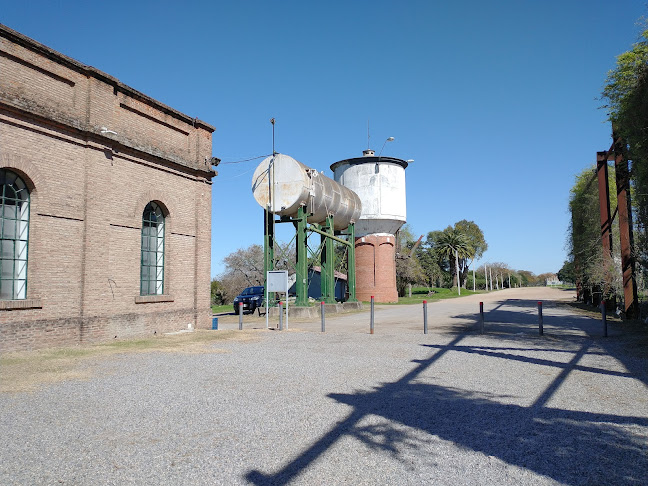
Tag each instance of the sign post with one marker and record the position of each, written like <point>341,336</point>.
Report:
<point>277,282</point>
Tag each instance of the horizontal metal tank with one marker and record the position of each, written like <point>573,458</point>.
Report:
<point>294,185</point>
<point>380,183</point>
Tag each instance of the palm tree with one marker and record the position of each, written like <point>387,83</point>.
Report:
<point>453,242</point>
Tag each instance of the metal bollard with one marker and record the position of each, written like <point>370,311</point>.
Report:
<point>604,318</point>
<point>425,326</point>
<point>371,323</point>
<point>323,318</point>
<point>240,316</point>
<point>280,316</point>
<point>540,323</point>
<point>481,316</point>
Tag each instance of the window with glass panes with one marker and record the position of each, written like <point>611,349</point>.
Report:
<point>14,235</point>
<point>152,265</point>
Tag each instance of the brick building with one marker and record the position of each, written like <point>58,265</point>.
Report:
<point>105,211</point>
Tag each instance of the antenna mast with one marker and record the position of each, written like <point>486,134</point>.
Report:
<point>272,120</point>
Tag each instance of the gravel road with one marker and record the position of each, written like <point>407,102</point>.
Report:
<point>346,407</point>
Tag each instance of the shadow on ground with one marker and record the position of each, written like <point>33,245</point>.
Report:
<point>572,447</point>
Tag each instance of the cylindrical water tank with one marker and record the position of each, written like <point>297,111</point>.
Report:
<point>294,184</point>
<point>380,183</point>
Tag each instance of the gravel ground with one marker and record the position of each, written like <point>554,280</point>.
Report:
<point>345,407</point>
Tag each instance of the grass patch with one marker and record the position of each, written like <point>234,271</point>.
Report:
<point>219,309</point>
<point>419,294</point>
<point>25,371</point>
<point>591,311</point>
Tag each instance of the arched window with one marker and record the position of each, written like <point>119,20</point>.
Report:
<point>14,235</point>
<point>152,267</point>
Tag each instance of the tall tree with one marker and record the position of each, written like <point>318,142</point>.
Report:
<point>626,99</point>
<point>567,274</point>
<point>453,245</point>
<point>594,271</point>
<point>409,270</point>
<point>476,241</point>
<point>434,264</point>
<point>243,268</point>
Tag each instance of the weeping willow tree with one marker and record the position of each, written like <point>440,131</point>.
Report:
<point>599,275</point>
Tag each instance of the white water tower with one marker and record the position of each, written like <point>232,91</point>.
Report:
<point>380,184</point>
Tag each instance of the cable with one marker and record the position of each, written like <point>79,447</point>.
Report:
<point>220,179</point>
<point>245,160</point>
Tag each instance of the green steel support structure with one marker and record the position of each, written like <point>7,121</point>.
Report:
<point>327,233</point>
<point>351,274</point>
<point>327,276</point>
<point>268,252</point>
<point>301,270</point>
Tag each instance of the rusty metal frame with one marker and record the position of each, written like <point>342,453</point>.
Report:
<point>617,153</point>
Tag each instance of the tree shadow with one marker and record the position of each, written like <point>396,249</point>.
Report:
<point>572,447</point>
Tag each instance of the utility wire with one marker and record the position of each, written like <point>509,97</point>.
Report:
<point>245,160</point>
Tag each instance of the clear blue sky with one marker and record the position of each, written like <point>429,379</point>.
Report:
<point>495,101</point>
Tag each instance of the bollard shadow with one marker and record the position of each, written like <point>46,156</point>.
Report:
<point>525,320</point>
<point>521,315</point>
<point>570,446</point>
<point>626,342</point>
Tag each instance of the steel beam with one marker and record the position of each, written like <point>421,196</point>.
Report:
<point>351,270</point>
<point>604,203</point>
<point>327,275</point>
<point>625,231</point>
<point>268,252</point>
<point>301,270</point>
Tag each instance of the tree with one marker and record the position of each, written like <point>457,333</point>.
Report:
<point>500,272</point>
<point>408,272</point>
<point>243,268</point>
<point>477,242</point>
<point>596,274</point>
<point>626,98</point>
<point>429,262</point>
<point>408,269</point>
<point>435,265</point>
<point>567,272</point>
<point>527,278</point>
<point>453,243</point>
<point>217,292</point>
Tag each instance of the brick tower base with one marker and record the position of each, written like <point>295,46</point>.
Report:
<point>376,268</point>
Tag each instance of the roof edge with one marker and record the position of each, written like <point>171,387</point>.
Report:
<point>29,43</point>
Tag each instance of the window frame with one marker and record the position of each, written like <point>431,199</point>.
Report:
<point>152,253</point>
<point>20,239</point>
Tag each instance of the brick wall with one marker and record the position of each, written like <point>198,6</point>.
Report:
<point>376,268</point>
<point>88,191</point>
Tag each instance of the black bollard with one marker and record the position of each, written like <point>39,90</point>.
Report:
<point>481,316</point>
<point>540,323</point>
<point>371,323</point>
<point>323,318</point>
<point>425,325</point>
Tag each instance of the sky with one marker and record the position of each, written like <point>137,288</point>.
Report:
<point>496,102</point>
